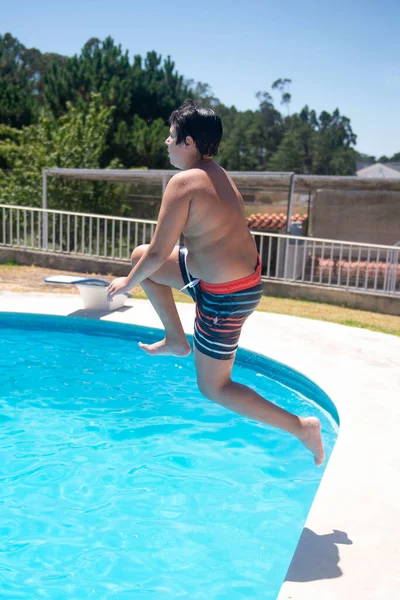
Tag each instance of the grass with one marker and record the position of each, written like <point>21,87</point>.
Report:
<point>9,263</point>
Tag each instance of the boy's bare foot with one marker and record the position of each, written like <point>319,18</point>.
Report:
<point>165,347</point>
<point>310,436</point>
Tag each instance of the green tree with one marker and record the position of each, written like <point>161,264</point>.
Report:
<point>22,72</point>
<point>17,104</point>
<point>282,85</point>
<point>271,125</point>
<point>157,88</point>
<point>202,94</point>
<point>76,140</point>
<point>141,94</point>
<point>148,143</point>
<point>332,148</point>
<point>385,159</point>
<point>149,88</point>
<point>251,137</point>
<point>365,158</point>
<point>316,145</point>
<point>101,68</point>
<point>240,147</point>
<point>290,155</point>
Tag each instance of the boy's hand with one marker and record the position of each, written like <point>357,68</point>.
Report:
<point>117,286</point>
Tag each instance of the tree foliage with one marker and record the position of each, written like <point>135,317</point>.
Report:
<point>17,102</point>
<point>149,89</point>
<point>77,139</point>
<point>100,108</point>
<point>316,145</point>
<point>386,159</point>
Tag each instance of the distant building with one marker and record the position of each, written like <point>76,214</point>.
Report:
<point>381,170</point>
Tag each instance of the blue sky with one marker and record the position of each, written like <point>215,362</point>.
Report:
<point>342,54</point>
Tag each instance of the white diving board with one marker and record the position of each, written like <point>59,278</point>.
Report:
<point>93,292</point>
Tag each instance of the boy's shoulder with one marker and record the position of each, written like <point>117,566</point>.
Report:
<point>190,178</point>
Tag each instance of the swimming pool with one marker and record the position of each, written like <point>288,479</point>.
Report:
<point>120,480</point>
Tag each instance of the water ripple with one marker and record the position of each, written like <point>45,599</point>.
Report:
<point>120,480</point>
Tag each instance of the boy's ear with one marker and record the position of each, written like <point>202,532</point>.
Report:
<point>189,141</point>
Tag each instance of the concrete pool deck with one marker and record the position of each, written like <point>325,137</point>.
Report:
<point>349,547</point>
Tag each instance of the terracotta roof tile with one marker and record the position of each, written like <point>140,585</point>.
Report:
<point>272,222</point>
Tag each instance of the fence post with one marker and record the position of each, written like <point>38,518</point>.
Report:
<point>45,236</point>
<point>290,202</point>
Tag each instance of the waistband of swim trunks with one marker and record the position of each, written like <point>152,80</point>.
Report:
<point>237,285</point>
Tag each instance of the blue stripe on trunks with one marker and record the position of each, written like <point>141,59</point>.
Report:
<point>257,288</point>
<point>226,303</point>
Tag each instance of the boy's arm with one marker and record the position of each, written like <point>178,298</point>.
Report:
<point>172,217</point>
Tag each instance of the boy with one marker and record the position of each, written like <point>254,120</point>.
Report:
<point>218,267</point>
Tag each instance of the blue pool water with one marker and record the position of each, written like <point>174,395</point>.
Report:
<point>119,480</point>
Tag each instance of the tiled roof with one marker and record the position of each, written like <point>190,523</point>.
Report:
<point>272,222</point>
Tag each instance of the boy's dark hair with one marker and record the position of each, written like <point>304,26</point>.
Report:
<point>202,124</point>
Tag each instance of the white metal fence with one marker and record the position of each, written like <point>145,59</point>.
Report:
<point>72,233</point>
<point>332,263</point>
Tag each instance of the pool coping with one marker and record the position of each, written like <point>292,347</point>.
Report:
<point>348,548</point>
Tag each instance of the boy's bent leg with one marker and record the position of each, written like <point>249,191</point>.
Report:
<point>158,291</point>
<point>214,381</point>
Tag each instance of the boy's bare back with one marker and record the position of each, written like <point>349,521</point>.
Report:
<point>220,246</point>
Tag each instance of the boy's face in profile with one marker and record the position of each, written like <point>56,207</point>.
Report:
<point>173,149</point>
<point>178,154</point>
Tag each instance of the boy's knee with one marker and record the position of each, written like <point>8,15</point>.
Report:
<point>138,253</point>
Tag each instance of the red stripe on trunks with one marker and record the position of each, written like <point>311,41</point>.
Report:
<point>234,286</point>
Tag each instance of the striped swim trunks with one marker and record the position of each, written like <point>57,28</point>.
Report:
<point>221,309</point>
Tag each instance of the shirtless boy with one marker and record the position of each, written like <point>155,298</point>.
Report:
<point>218,267</point>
